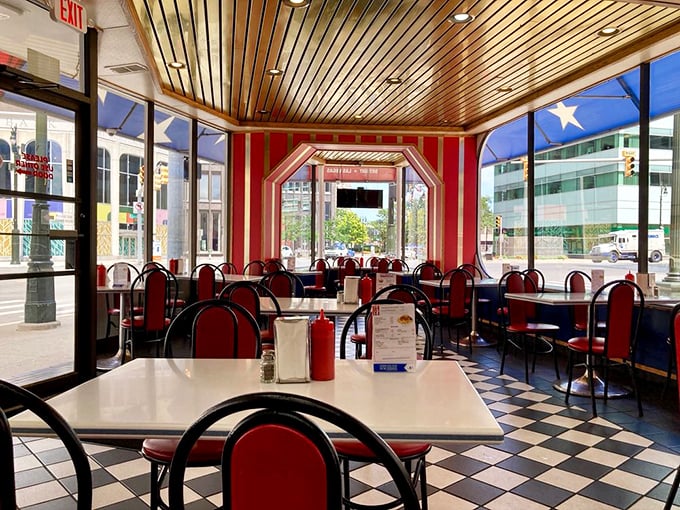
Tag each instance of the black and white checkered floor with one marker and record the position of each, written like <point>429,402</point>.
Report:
<point>552,456</point>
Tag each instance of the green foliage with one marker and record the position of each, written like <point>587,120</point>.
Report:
<point>346,228</point>
<point>486,216</point>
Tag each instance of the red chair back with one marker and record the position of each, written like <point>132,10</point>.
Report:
<point>254,268</point>
<point>383,266</point>
<point>206,283</point>
<point>620,317</point>
<point>155,297</point>
<point>320,279</point>
<point>214,333</point>
<point>246,296</point>
<point>530,288</point>
<point>577,283</point>
<point>458,291</point>
<point>228,268</point>
<point>515,283</point>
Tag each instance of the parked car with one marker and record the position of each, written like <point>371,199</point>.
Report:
<point>334,251</point>
<point>286,251</point>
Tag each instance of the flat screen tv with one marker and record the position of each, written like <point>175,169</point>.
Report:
<point>360,198</point>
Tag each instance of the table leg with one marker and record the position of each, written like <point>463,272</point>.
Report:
<point>581,387</point>
<point>474,337</point>
<point>117,359</point>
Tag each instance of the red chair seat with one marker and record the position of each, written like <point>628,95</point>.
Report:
<point>359,451</point>
<point>580,343</point>
<point>358,338</point>
<point>204,451</point>
<point>113,311</point>
<point>533,327</point>
<point>138,322</point>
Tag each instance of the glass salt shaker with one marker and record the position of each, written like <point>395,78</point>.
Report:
<point>268,366</point>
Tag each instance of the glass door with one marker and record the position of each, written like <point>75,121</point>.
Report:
<point>37,239</point>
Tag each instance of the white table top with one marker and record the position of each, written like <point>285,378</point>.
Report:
<point>308,306</point>
<point>479,282</point>
<point>578,298</point>
<point>150,397</point>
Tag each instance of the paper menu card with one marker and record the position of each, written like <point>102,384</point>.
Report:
<point>121,275</point>
<point>394,337</point>
<point>383,280</point>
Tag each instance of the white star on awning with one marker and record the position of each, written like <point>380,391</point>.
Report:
<point>566,115</point>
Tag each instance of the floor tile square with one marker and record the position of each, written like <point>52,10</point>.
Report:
<point>464,465</point>
<point>486,454</point>
<point>629,481</point>
<point>510,501</point>
<point>543,493</point>
<point>602,457</point>
<point>610,495</point>
<point>646,469</point>
<point>527,467</point>
<point>475,491</point>
<point>564,479</point>
<point>544,455</point>
<point>584,467</point>
<point>567,447</point>
<point>499,477</point>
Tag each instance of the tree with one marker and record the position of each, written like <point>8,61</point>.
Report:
<point>378,230</point>
<point>349,229</point>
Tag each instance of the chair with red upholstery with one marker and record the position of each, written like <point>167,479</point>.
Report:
<point>475,272</point>
<point>615,345</point>
<point>273,265</point>
<point>247,294</point>
<point>411,453</point>
<point>427,271</point>
<point>454,310</point>
<point>283,283</point>
<point>228,268</point>
<point>399,265</point>
<point>575,281</point>
<point>348,267</point>
<point>218,329</point>
<point>207,280</point>
<point>521,331</point>
<point>278,457</point>
<point>674,353</point>
<point>254,268</point>
<point>150,324</point>
<point>383,265</point>
<point>12,395</point>
<point>372,263</point>
<point>320,287</point>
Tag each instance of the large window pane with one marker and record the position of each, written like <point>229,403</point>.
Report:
<point>211,193</point>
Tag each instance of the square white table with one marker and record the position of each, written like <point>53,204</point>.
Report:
<point>151,397</point>
<point>307,306</point>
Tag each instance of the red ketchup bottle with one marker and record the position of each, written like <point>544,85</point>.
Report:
<point>101,275</point>
<point>173,266</point>
<point>323,349</point>
<point>366,289</point>
<point>630,276</point>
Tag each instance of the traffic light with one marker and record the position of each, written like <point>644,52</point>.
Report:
<point>499,222</point>
<point>141,176</point>
<point>525,168</point>
<point>164,174</point>
<point>629,166</point>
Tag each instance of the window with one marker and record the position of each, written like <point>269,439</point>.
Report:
<point>128,179</point>
<point>103,176</point>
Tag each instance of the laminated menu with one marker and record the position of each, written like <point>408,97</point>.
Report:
<point>383,280</point>
<point>394,337</point>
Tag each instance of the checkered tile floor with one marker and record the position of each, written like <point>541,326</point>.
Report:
<point>552,456</point>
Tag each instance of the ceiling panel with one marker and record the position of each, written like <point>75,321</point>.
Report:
<point>337,54</point>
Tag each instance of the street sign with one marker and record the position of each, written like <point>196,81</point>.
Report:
<point>138,207</point>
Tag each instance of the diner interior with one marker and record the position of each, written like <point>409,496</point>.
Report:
<point>506,170</point>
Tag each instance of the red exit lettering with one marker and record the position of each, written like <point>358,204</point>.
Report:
<point>70,13</point>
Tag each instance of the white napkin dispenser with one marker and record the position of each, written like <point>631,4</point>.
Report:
<point>351,289</point>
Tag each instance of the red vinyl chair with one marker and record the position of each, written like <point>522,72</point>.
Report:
<point>207,280</point>
<point>348,267</point>
<point>616,346</point>
<point>228,268</point>
<point>383,266</point>
<point>150,324</point>
<point>218,329</point>
<point>675,357</point>
<point>454,311</point>
<point>411,453</point>
<point>254,268</point>
<point>284,284</point>
<point>521,332</point>
<point>427,271</point>
<point>320,280</point>
<point>16,395</point>
<point>278,445</point>
<point>399,265</point>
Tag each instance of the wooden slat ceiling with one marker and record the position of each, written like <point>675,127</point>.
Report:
<point>336,56</point>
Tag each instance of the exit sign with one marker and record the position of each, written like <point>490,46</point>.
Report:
<point>70,13</point>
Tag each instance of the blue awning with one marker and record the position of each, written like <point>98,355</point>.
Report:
<point>604,108</point>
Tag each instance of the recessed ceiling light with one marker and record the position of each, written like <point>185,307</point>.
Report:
<point>176,65</point>
<point>460,17</point>
<point>274,72</point>
<point>505,88</point>
<point>296,3</point>
<point>393,81</point>
<point>358,116</point>
<point>263,112</point>
<point>608,31</point>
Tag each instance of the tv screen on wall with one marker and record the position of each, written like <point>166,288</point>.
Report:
<point>360,198</point>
